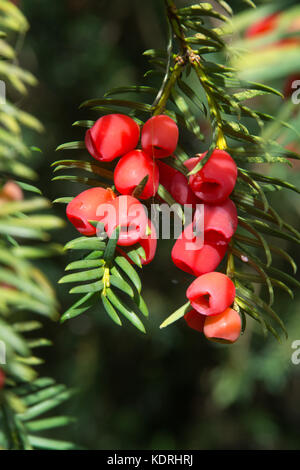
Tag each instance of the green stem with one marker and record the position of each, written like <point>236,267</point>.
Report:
<point>213,107</point>
<point>172,13</point>
<point>230,270</point>
<point>171,78</point>
<point>160,106</point>
<point>188,55</point>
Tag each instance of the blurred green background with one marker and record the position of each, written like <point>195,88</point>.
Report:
<point>171,389</point>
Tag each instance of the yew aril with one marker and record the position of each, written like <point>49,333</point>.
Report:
<point>84,207</point>
<point>211,293</point>
<point>216,179</point>
<point>159,136</point>
<point>132,169</point>
<point>111,136</point>
<point>224,327</point>
<point>176,184</point>
<point>195,320</point>
<point>194,257</point>
<point>220,222</point>
<point>148,243</point>
<point>129,214</point>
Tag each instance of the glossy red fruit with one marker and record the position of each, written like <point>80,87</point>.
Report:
<point>176,184</point>
<point>84,208</point>
<point>216,180</point>
<point>129,214</point>
<point>130,171</point>
<point>189,255</point>
<point>2,379</point>
<point>195,320</point>
<point>160,136</point>
<point>111,136</point>
<point>211,293</point>
<point>224,327</point>
<point>220,222</point>
<point>149,243</point>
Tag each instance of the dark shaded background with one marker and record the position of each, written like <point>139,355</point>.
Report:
<point>171,389</point>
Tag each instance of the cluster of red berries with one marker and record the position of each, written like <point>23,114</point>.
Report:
<point>212,293</point>
<point>117,136</point>
<point>113,136</point>
<point>211,296</point>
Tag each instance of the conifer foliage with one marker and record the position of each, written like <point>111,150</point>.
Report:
<point>197,35</point>
<point>26,296</point>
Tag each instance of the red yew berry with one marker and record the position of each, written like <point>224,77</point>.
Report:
<point>224,327</point>
<point>216,180</point>
<point>159,136</point>
<point>2,379</point>
<point>128,213</point>
<point>211,293</point>
<point>84,208</point>
<point>130,171</point>
<point>220,222</point>
<point>111,136</point>
<point>195,320</point>
<point>189,255</point>
<point>149,243</point>
<point>219,225</point>
<point>176,184</point>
